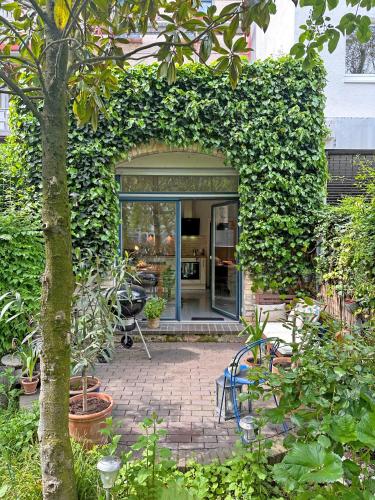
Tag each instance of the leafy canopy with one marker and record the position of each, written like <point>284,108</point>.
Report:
<point>85,38</point>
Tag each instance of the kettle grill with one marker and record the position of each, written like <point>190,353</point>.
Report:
<point>132,299</point>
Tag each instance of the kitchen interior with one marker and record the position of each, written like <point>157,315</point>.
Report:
<point>149,237</point>
<point>196,269</point>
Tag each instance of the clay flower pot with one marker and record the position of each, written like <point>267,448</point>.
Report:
<point>280,362</point>
<point>93,385</point>
<point>86,428</point>
<point>153,323</point>
<point>29,386</point>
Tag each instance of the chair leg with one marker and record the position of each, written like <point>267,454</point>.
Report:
<point>222,399</point>
<point>235,405</point>
<point>143,340</point>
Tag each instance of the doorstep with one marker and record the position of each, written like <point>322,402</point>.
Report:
<point>190,331</point>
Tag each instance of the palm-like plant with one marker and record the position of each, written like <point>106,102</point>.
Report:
<point>96,314</point>
<point>254,332</point>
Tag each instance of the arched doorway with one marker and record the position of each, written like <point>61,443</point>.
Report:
<point>179,223</point>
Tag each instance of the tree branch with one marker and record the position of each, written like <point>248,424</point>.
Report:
<point>41,13</point>
<point>20,93</point>
<point>24,44</point>
<point>5,90</point>
<point>4,57</point>
<point>128,55</point>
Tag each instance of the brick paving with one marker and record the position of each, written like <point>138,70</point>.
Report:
<point>179,385</point>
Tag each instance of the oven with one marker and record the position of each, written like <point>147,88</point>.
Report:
<point>190,270</point>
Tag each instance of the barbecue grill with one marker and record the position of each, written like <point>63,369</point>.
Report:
<point>132,299</point>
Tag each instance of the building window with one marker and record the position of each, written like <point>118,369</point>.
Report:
<point>4,109</point>
<point>360,58</point>
<point>205,4</point>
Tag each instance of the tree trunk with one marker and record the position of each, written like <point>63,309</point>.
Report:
<point>56,453</point>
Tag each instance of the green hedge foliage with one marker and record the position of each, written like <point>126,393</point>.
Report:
<point>347,252</point>
<point>270,128</point>
<point>22,260</point>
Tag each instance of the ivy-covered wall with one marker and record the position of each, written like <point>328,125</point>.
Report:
<point>270,128</point>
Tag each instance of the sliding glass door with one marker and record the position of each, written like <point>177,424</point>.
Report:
<point>149,236</point>
<point>224,273</point>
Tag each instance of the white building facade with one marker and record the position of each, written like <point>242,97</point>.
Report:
<point>350,90</point>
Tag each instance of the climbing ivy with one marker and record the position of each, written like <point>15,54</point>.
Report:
<point>270,128</point>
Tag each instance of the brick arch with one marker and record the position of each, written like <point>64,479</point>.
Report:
<point>154,147</point>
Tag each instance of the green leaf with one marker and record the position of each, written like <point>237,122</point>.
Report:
<point>298,50</point>
<point>308,463</point>
<point>366,430</point>
<point>3,490</point>
<point>343,429</point>
<point>334,39</point>
<point>62,12</point>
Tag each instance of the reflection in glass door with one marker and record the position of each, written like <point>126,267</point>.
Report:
<point>225,276</point>
<point>149,237</point>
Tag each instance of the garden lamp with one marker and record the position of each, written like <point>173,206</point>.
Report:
<point>248,429</point>
<point>108,468</point>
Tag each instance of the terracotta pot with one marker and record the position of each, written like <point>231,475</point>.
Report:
<point>282,361</point>
<point>94,388</point>
<point>86,428</point>
<point>29,386</point>
<point>153,323</point>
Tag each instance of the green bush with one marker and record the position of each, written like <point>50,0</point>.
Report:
<point>148,473</point>
<point>347,256</point>
<point>22,259</point>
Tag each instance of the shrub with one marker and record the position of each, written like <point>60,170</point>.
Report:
<point>347,235</point>
<point>22,257</point>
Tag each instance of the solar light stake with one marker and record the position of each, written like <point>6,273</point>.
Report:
<point>108,468</point>
<point>248,428</point>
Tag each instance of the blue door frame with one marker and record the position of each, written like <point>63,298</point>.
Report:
<point>235,316</point>
<point>177,199</point>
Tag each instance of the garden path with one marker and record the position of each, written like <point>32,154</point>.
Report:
<point>179,385</point>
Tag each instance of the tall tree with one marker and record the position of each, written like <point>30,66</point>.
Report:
<point>55,52</point>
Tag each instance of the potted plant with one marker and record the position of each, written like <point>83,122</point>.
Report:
<point>94,319</point>
<point>254,332</point>
<point>153,310</point>
<point>29,357</point>
<point>76,386</point>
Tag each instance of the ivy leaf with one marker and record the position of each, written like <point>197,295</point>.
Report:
<point>308,463</point>
<point>366,430</point>
<point>62,12</point>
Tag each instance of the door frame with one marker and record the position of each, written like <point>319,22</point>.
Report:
<point>178,198</point>
<point>235,316</point>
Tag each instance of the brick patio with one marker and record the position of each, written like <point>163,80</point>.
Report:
<point>179,385</point>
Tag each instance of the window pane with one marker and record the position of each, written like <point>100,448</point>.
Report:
<point>179,184</point>
<point>149,236</point>
<point>360,57</point>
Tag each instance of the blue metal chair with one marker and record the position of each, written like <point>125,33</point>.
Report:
<point>237,375</point>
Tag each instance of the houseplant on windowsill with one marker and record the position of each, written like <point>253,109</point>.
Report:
<point>153,310</point>
<point>94,319</point>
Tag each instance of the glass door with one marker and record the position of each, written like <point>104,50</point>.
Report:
<point>149,236</point>
<point>224,273</point>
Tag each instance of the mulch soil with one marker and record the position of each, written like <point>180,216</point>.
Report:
<point>94,405</point>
